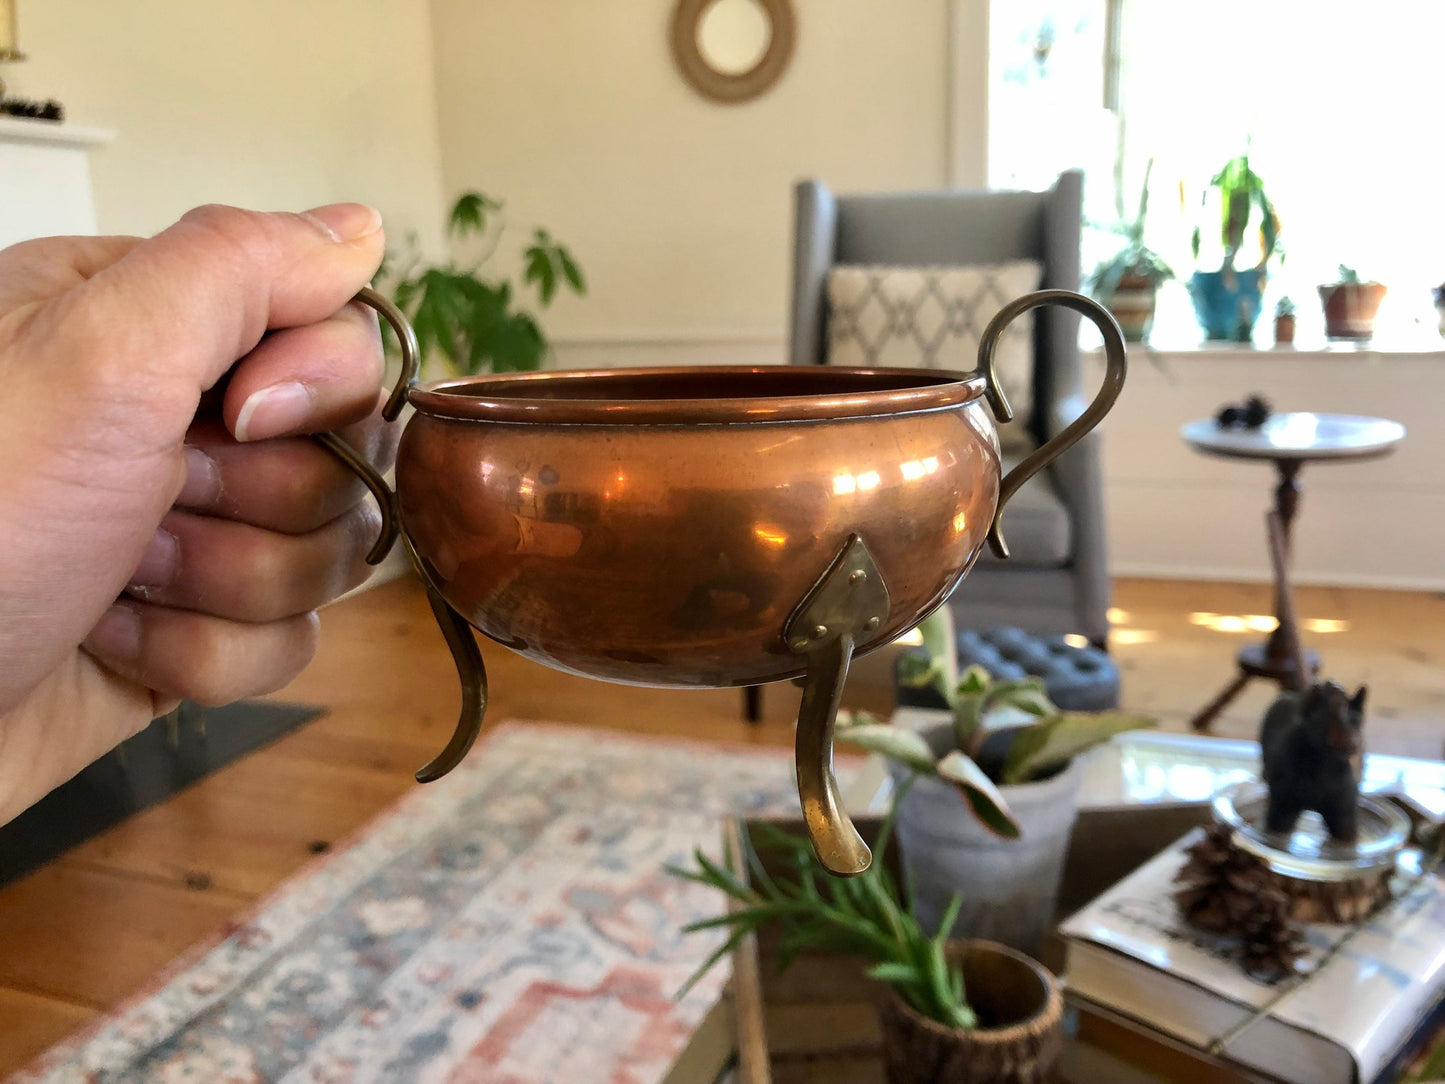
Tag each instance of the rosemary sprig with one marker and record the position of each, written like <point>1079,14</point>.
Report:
<point>865,915</point>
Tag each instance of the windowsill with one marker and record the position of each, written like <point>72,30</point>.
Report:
<point>1386,347</point>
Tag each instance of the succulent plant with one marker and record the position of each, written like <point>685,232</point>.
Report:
<point>1004,732</point>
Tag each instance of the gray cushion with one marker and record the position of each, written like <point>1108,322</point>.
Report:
<point>1035,524</point>
<point>1075,678</point>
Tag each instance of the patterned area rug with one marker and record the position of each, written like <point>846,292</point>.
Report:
<point>510,924</point>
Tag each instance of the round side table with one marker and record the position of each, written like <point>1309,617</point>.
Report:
<point>1288,441</point>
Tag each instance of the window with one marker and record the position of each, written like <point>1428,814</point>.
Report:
<point>1336,104</point>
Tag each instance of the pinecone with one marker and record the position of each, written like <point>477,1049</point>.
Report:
<point>1230,892</point>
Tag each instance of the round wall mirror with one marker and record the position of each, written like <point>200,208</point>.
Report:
<point>732,50</point>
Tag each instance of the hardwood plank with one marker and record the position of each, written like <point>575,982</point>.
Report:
<point>91,937</point>
<point>248,828</point>
<point>31,1024</point>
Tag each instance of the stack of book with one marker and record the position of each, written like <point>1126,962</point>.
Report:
<point>1360,1010</point>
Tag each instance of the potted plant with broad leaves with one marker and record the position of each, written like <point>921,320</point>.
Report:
<point>994,804</point>
<point>1351,305</point>
<point>960,1012</point>
<point>470,321</point>
<point>1127,284</point>
<point>1227,301</point>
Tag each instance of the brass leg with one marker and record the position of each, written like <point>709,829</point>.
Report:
<point>472,673</point>
<point>839,846</point>
<point>847,606</point>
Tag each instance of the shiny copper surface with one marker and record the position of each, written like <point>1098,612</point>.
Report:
<point>705,527</point>
<point>592,534</point>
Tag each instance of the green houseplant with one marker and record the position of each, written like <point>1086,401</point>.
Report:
<point>471,321</point>
<point>966,1012</point>
<point>1227,301</point>
<point>1128,282</point>
<point>1351,305</point>
<point>994,803</point>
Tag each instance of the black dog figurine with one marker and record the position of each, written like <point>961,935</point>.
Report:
<point>1313,757</point>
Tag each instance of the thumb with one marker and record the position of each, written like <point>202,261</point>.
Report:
<point>170,317</point>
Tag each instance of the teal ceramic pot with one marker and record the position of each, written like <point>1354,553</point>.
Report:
<point>1226,302</point>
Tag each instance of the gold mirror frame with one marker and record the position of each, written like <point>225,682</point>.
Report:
<point>742,86</point>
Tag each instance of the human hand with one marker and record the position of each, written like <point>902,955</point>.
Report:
<point>166,532</point>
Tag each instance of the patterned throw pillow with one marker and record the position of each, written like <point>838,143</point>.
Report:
<point>933,318</point>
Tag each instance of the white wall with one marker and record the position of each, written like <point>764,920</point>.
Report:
<point>678,208</point>
<point>274,104</point>
<point>1174,513</point>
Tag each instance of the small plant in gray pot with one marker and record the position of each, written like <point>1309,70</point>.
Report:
<point>970,1012</point>
<point>993,805</point>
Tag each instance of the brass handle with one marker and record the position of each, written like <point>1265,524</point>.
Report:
<point>458,634</point>
<point>1116,365</point>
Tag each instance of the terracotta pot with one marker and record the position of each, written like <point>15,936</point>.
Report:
<point>1020,1033</point>
<point>1350,309</point>
<point>1283,330</point>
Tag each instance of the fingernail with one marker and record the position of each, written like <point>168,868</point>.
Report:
<point>281,408</point>
<point>344,221</point>
<point>116,634</point>
<point>203,480</point>
<point>158,564</point>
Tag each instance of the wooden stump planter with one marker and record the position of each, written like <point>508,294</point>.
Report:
<point>1020,1034</point>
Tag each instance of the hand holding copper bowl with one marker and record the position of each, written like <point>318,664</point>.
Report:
<point>707,527</point>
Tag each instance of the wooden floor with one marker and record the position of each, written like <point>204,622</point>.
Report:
<point>78,936</point>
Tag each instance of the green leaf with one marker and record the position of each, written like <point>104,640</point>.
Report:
<point>1052,742</point>
<point>894,972</point>
<point>894,742</point>
<point>541,272</point>
<point>469,213</point>
<point>950,916</point>
<point>975,680</point>
<point>982,795</point>
<point>917,670</point>
<point>1027,696</point>
<point>571,272</point>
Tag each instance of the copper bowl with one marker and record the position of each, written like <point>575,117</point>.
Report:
<point>707,527</point>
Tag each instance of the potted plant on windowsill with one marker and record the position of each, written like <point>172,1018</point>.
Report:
<point>1351,305</point>
<point>994,803</point>
<point>1284,321</point>
<point>969,1012</point>
<point>1227,301</point>
<point>1127,284</point>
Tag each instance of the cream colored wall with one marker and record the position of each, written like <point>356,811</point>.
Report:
<point>680,209</point>
<point>275,104</point>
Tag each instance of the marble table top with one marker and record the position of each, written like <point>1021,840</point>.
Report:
<point>1298,436</point>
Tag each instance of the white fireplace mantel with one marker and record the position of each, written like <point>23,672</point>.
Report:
<point>45,178</point>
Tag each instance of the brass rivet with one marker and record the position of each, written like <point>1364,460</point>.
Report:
<point>819,631</point>
<point>859,576</point>
<point>870,624</point>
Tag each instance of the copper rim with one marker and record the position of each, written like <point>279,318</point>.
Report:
<point>696,395</point>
